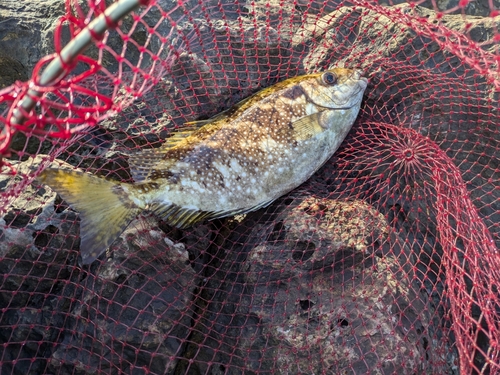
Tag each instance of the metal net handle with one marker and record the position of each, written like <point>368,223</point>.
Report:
<point>57,69</point>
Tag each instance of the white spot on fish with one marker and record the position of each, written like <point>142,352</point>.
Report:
<point>222,169</point>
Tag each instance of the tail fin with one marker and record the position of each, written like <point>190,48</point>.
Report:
<point>105,208</point>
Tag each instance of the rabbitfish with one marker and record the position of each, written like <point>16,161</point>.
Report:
<point>236,162</point>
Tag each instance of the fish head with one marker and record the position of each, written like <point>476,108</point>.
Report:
<point>337,88</point>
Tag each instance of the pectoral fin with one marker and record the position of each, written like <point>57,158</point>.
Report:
<point>307,127</point>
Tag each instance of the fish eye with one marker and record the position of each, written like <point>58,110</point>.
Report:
<point>329,78</point>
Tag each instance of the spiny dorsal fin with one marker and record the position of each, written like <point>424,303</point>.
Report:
<point>219,116</point>
<point>235,110</point>
<point>246,103</point>
<point>307,127</point>
<point>198,123</point>
<point>142,163</point>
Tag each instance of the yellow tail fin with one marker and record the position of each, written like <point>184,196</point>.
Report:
<point>105,208</point>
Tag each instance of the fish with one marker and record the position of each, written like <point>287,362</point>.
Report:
<point>236,162</point>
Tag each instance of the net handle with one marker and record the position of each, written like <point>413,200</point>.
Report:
<point>57,68</point>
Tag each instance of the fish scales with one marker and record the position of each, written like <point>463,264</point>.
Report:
<point>231,166</point>
<point>236,162</point>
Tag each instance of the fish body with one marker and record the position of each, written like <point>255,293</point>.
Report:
<point>236,162</point>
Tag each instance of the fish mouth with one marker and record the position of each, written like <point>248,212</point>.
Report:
<point>359,75</point>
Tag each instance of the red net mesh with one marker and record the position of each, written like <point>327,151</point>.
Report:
<point>385,261</point>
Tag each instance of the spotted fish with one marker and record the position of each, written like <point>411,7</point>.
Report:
<point>236,162</point>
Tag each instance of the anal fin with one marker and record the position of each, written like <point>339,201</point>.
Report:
<point>182,217</point>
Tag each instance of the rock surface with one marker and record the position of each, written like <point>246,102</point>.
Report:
<point>326,287</point>
<point>95,318</point>
<point>26,35</point>
<point>135,312</point>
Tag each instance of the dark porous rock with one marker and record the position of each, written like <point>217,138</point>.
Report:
<point>39,279</point>
<point>36,225</point>
<point>135,311</point>
<point>480,8</point>
<point>324,286</point>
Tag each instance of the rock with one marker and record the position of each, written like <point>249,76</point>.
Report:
<point>471,8</point>
<point>322,286</point>
<point>39,282</point>
<point>137,301</point>
<point>135,310</point>
<point>36,224</point>
<point>26,35</point>
<point>349,30</point>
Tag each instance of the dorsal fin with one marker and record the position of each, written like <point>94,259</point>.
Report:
<point>143,162</point>
<point>198,123</point>
<point>180,134</point>
<point>221,115</point>
<point>236,109</point>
